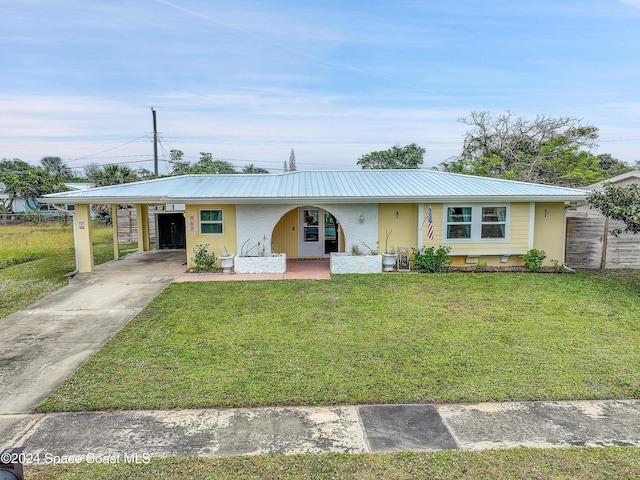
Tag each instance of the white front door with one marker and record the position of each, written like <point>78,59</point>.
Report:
<point>311,232</point>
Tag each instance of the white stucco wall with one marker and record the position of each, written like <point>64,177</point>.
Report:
<point>254,222</point>
<point>348,216</point>
<point>277,264</point>
<point>345,263</point>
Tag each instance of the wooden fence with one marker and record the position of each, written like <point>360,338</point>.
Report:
<point>128,226</point>
<point>590,245</point>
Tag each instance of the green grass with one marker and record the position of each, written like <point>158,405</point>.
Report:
<point>370,339</point>
<point>524,463</point>
<point>34,261</point>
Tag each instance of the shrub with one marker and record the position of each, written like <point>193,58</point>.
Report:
<point>533,259</point>
<point>558,266</point>
<point>430,259</point>
<point>202,259</point>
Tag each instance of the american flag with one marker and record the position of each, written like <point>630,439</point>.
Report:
<point>429,224</point>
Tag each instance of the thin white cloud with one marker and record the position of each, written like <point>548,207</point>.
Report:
<point>75,127</point>
<point>633,3</point>
<point>251,79</point>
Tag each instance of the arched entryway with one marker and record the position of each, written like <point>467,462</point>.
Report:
<point>308,232</point>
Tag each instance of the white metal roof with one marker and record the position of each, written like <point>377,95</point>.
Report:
<point>361,186</point>
<point>618,178</point>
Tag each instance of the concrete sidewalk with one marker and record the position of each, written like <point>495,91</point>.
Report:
<point>348,429</point>
<point>43,344</point>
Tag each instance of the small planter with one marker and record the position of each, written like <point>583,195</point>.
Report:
<point>226,263</point>
<point>345,263</point>
<point>389,261</point>
<point>277,263</point>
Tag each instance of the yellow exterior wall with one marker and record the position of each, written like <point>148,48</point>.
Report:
<point>436,213</point>
<point>142,215</point>
<point>285,234</point>
<point>402,220</point>
<point>82,228</point>
<point>549,230</point>
<point>114,225</point>
<point>490,252</point>
<point>216,242</point>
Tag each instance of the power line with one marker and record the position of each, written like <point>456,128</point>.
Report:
<point>108,149</point>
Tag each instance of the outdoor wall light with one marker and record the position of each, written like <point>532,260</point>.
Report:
<point>397,214</point>
<point>361,218</point>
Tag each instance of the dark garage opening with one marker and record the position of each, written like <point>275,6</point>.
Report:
<point>171,231</point>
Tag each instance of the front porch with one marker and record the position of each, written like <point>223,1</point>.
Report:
<point>315,269</point>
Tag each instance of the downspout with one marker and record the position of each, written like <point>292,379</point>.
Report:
<point>75,240</point>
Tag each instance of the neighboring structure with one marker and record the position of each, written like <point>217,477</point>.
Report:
<point>30,205</point>
<point>589,243</point>
<point>311,214</point>
<point>621,180</point>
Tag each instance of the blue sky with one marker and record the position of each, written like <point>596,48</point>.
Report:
<point>250,80</point>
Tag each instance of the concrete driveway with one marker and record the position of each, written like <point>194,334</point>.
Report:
<point>45,343</point>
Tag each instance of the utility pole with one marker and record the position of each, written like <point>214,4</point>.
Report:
<point>155,144</point>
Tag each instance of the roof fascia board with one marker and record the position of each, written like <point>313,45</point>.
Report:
<point>287,200</point>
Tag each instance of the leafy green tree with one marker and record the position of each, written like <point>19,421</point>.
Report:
<point>110,175</point>
<point>144,174</point>
<point>619,202</point>
<point>56,166</point>
<point>250,168</point>
<point>18,179</point>
<point>208,165</point>
<point>178,165</point>
<point>407,157</point>
<point>613,166</point>
<point>543,150</point>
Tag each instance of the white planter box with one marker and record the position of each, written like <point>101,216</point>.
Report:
<point>345,263</point>
<point>274,264</point>
<point>389,262</point>
<point>226,263</point>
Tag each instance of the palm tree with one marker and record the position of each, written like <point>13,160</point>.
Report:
<point>110,175</point>
<point>56,166</point>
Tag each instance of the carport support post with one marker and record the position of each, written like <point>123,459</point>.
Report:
<point>84,247</point>
<point>142,217</point>
<point>114,224</point>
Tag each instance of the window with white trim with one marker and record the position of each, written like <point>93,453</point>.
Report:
<point>459,222</point>
<point>476,223</point>
<point>494,222</point>
<point>211,221</point>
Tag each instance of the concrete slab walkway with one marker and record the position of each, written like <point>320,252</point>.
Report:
<point>347,429</point>
<point>46,342</point>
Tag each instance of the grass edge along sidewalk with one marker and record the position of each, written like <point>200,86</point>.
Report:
<point>579,463</point>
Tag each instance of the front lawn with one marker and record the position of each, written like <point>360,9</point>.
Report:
<point>370,339</point>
